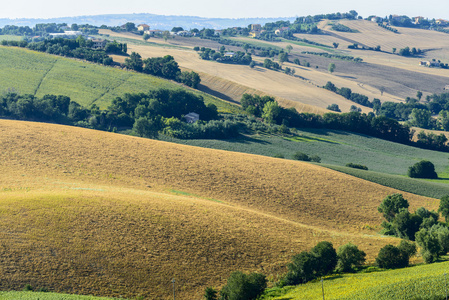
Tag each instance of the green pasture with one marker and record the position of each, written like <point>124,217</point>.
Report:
<point>29,72</point>
<point>419,282</point>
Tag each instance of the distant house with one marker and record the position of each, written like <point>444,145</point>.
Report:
<point>446,88</point>
<point>184,33</point>
<point>256,27</point>
<point>417,20</point>
<point>67,34</point>
<point>281,30</point>
<point>254,34</point>
<point>99,43</point>
<point>376,19</point>
<point>153,32</point>
<point>441,21</point>
<point>229,54</point>
<point>424,63</point>
<point>143,27</point>
<point>192,117</point>
<point>218,32</point>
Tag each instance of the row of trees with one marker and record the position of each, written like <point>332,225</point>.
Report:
<point>222,56</point>
<point>147,114</point>
<point>380,126</point>
<point>165,67</point>
<point>65,47</point>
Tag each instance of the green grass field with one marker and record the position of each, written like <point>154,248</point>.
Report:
<point>8,37</point>
<point>13,295</point>
<point>420,282</point>
<point>28,72</point>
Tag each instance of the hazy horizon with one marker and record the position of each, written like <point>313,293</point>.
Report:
<point>47,9</point>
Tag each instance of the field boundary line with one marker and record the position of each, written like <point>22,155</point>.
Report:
<point>111,89</point>
<point>44,76</point>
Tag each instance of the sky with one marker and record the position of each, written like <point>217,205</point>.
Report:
<point>222,8</point>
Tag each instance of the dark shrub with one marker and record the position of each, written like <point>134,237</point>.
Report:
<point>357,166</point>
<point>301,156</point>
<point>422,169</point>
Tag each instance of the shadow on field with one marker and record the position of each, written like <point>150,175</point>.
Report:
<point>217,94</point>
<point>244,139</point>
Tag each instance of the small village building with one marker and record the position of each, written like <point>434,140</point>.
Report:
<point>441,22</point>
<point>99,44</point>
<point>153,32</point>
<point>191,117</point>
<point>281,30</point>
<point>67,34</point>
<point>418,20</point>
<point>446,88</point>
<point>143,27</point>
<point>256,27</point>
<point>229,54</point>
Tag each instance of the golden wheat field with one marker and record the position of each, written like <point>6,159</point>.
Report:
<point>92,212</point>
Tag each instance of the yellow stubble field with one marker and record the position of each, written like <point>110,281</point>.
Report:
<point>92,212</point>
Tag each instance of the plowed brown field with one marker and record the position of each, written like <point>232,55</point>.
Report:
<point>92,212</point>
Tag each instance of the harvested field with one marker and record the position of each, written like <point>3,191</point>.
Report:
<point>98,213</point>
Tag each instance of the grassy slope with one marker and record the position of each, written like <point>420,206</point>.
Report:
<point>409,283</point>
<point>98,213</point>
<point>29,72</point>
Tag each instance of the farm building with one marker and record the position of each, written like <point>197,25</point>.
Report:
<point>192,117</point>
<point>143,27</point>
<point>446,88</point>
<point>99,43</point>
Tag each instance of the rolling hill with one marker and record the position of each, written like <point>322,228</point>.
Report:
<point>30,72</point>
<point>92,212</point>
<point>381,75</point>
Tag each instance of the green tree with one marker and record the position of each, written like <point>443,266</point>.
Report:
<point>283,57</point>
<point>419,95</point>
<point>391,205</point>
<point>422,169</point>
<point>444,207</point>
<point>146,37</point>
<point>210,294</point>
<point>134,62</point>
<point>326,258</point>
<point>420,118</point>
<point>289,48</point>
<point>331,68</point>
<point>335,45</point>
<point>391,257</point>
<point>145,127</point>
<point>429,243</point>
<point>129,26</point>
<point>166,35</point>
<point>240,286</point>
<point>271,111</point>
<point>301,269</point>
<point>349,257</point>
<point>394,50</point>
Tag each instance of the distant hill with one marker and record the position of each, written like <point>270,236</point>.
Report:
<point>155,21</point>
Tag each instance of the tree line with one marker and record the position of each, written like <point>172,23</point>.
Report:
<point>378,126</point>
<point>81,48</point>
<point>237,57</point>
<point>146,114</point>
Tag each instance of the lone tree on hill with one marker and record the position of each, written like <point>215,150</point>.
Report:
<point>331,68</point>
<point>422,169</point>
